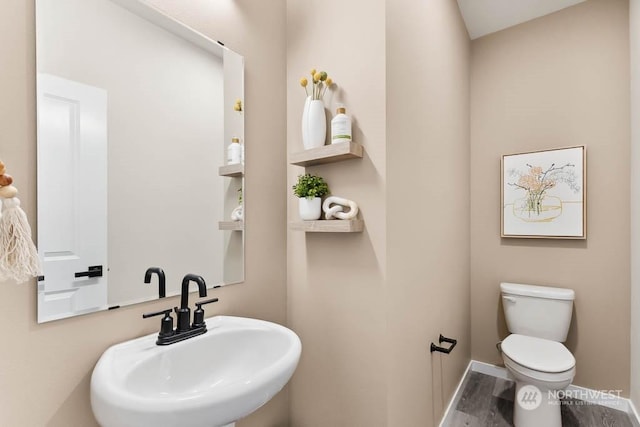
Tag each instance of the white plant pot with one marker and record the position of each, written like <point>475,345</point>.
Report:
<point>314,124</point>
<point>310,209</point>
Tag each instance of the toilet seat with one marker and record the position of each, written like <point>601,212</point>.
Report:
<point>537,354</point>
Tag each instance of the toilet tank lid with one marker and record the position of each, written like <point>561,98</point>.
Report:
<point>537,291</point>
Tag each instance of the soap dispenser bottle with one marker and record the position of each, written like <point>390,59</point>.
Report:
<point>234,151</point>
<point>341,127</point>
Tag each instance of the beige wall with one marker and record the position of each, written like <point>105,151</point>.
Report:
<point>557,81</point>
<point>45,369</point>
<point>365,330</point>
<point>427,205</point>
<point>336,298</point>
<point>634,39</point>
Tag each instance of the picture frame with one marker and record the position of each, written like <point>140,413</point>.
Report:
<point>543,194</point>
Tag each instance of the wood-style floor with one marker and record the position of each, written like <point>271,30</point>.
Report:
<point>487,401</point>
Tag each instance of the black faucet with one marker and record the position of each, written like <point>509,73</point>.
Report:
<point>184,313</point>
<point>162,288</point>
<point>184,330</point>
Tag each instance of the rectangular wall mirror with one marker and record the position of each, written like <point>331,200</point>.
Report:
<point>135,111</point>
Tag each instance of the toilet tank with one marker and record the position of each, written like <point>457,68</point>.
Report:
<point>537,311</point>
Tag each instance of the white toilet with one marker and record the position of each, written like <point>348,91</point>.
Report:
<point>538,318</point>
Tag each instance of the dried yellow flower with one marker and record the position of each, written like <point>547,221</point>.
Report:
<point>328,82</point>
<point>313,72</point>
<point>317,77</point>
<point>304,82</point>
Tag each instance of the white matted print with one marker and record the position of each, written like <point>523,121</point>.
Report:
<point>543,194</point>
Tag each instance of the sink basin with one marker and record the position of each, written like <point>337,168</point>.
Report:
<point>210,380</point>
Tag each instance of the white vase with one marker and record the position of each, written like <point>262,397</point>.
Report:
<point>305,129</point>
<point>310,209</point>
<point>314,124</point>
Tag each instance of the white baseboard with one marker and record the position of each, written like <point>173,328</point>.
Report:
<point>591,396</point>
<point>635,419</point>
<point>487,369</point>
<point>448,413</point>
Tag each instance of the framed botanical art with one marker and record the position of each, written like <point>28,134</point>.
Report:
<point>543,194</point>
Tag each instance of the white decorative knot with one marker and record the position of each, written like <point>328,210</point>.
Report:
<point>237,214</point>
<point>337,211</point>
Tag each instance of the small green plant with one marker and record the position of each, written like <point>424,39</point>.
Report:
<point>310,186</point>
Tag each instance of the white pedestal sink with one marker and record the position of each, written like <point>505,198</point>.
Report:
<point>210,380</point>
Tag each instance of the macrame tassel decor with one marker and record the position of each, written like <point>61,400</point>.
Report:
<point>18,255</point>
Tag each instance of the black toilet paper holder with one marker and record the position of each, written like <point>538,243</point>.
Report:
<point>443,349</point>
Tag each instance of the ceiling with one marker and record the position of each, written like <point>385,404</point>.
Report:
<point>484,17</point>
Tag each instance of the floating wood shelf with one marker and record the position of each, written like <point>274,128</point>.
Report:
<point>231,225</point>
<point>231,170</point>
<point>327,154</point>
<point>329,226</point>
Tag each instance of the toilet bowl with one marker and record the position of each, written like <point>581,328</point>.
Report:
<point>534,355</point>
<point>540,369</point>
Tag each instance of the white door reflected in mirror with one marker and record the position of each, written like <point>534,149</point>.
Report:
<point>72,185</point>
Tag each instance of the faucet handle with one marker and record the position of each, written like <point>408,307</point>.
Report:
<point>166,325</point>
<point>198,314</point>
<point>209,301</point>
<point>166,312</point>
